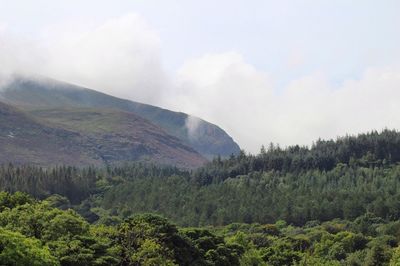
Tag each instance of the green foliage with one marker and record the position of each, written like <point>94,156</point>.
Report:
<point>35,233</point>
<point>395,260</point>
<point>16,249</point>
<point>377,256</point>
<point>67,234</point>
<point>42,221</point>
<point>282,253</point>
<point>347,178</point>
<point>150,253</point>
<point>214,249</point>
<point>263,197</point>
<point>336,203</point>
<point>366,150</point>
<point>71,182</point>
<point>139,233</point>
<point>8,200</point>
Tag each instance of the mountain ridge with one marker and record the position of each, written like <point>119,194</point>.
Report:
<point>39,92</point>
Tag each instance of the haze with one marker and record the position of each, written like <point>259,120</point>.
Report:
<point>286,72</point>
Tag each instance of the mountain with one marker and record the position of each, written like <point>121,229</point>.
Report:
<point>42,93</point>
<point>25,140</point>
<point>87,137</point>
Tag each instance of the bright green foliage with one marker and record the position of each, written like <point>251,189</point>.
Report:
<point>139,233</point>
<point>252,257</point>
<point>395,261</point>
<point>34,233</point>
<point>331,243</point>
<point>65,232</point>
<point>16,249</point>
<point>150,253</point>
<point>8,200</point>
<point>282,253</point>
<point>43,222</point>
<point>83,250</point>
<point>308,260</point>
<point>378,255</point>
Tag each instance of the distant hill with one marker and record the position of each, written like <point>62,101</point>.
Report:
<point>42,93</point>
<point>87,137</point>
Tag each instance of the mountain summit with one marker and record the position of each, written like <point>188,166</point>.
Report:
<point>113,129</point>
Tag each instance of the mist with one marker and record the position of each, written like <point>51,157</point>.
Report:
<point>123,56</point>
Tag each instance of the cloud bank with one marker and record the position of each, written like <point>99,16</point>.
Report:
<point>123,57</point>
<point>120,57</point>
<point>241,99</point>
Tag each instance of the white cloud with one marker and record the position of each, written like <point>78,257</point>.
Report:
<point>122,57</point>
<point>3,26</point>
<point>192,124</point>
<point>16,54</point>
<point>223,88</point>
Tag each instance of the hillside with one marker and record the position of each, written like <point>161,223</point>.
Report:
<point>343,178</point>
<point>25,140</point>
<point>40,93</point>
<point>87,137</point>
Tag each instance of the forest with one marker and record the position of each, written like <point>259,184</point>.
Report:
<point>35,232</point>
<point>334,203</point>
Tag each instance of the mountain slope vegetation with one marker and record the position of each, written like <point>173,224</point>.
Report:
<point>290,184</point>
<point>84,137</point>
<point>23,139</point>
<point>42,93</point>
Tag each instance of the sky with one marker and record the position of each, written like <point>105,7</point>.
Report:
<point>287,72</point>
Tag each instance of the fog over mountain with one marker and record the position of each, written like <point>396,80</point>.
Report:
<point>125,55</point>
